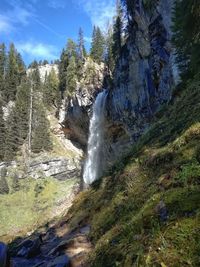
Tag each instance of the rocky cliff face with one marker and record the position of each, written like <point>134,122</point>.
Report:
<point>143,81</point>
<point>143,77</point>
<point>75,111</point>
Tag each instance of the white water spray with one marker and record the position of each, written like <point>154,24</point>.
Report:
<point>92,165</point>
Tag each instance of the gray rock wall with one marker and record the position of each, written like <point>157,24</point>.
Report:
<point>143,78</point>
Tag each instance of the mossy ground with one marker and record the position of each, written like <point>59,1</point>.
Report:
<point>127,228</point>
<point>34,203</point>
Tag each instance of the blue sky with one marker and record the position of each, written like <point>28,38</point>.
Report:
<point>40,28</point>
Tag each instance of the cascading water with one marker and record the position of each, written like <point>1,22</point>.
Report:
<point>96,134</point>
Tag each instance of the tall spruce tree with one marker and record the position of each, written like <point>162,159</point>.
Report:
<point>71,78</point>
<point>41,136</point>
<point>98,44</point>
<point>117,31</point>
<point>71,49</point>
<point>12,75</point>
<point>63,72</point>
<point>81,54</point>
<point>22,107</point>
<point>187,35</point>
<point>2,70</point>
<point>109,57</point>
<point>12,136</point>
<point>51,93</point>
<point>2,133</point>
<point>81,47</point>
<point>21,68</point>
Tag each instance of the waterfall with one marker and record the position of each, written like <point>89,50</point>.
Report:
<point>92,166</point>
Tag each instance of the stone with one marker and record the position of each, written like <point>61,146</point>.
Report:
<point>161,209</point>
<point>29,248</point>
<point>61,261</point>
<point>75,111</point>
<point>4,258</point>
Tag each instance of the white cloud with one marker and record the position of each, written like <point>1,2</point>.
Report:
<point>99,11</point>
<point>19,15</point>
<point>14,16</point>
<point>5,25</point>
<point>37,50</point>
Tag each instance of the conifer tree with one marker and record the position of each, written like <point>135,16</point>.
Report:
<point>12,134</point>
<point>21,68</point>
<point>2,133</point>
<point>35,77</point>
<point>22,106</point>
<point>71,78</point>
<point>109,57</point>
<point>51,93</point>
<point>71,49</point>
<point>81,48</point>
<point>12,74</point>
<point>63,72</point>
<point>4,188</point>
<point>2,69</point>
<point>41,136</point>
<point>117,32</point>
<point>97,48</point>
<point>187,35</point>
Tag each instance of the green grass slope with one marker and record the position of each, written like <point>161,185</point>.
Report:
<point>146,212</point>
<point>35,203</point>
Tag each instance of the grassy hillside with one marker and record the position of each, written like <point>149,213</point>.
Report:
<point>146,211</point>
<point>35,203</point>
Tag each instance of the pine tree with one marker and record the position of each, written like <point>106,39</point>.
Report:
<point>97,48</point>
<point>12,134</point>
<point>21,68</point>
<point>117,32</point>
<point>12,76</point>
<point>63,72</point>
<point>81,54</point>
<point>2,70</point>
<point>41,135</point>
<point>71,78</point>
<point>51,93</point>
<point>22,106</point>
<point>4,188</point>
<point>15,183</point>
<point>109,57</point>
<point>71,49</point>
<point>187,35</point>
<point>35,77</point>
<point>81,48</point>
<point>2,133</point>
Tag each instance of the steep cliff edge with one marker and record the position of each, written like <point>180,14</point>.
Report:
<point>142,82</point>
<point>143,78</point>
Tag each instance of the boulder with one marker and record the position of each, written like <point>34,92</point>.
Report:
<point>4,258</point>
<point>61,261</point>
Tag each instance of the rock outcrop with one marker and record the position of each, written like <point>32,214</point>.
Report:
<point>75,110</point>
<point>45,70</point>
<point>143,81</point>
<point>60,168</point>
<point>143,78</point>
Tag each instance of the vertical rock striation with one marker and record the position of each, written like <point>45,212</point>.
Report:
<point>143,78</point>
